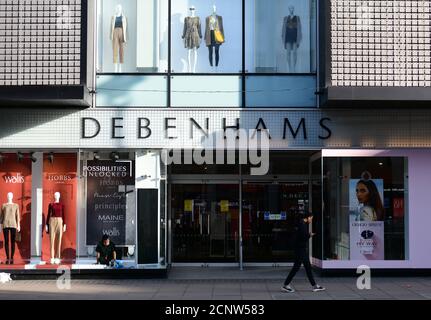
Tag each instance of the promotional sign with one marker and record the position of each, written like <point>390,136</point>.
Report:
<point>366,224</point>
<point>188,205</point>
<point>274,216</point>
<point>398,208</point>
<point>108,185</point>
<point>60,175</point>
<point>367,240</point>
<point>15,177</point>
<point>224,206</point>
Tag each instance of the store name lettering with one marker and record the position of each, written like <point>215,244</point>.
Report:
<point>18,178</point>
<point>59,178</point>
<point>91,128</point>
<point>112,233</point>
<point>110,218</point>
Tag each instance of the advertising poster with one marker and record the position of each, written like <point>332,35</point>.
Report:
<point>366,219</point>
<point>60,175</point>
<point>15,177</point>
<point>110,193</point>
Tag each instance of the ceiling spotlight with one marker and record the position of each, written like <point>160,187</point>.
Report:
<point>51,157</point>
<point>96,156</point>
<point>19,156</point>
<point>115,156</point>
<point>32,157</point>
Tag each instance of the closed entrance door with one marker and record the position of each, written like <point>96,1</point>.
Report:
<point>205,222</point>
<point>270,211</point>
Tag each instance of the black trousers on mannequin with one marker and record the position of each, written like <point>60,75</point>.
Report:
<point>9,233</point>
<point>301,257</point>
<point>214,47</point>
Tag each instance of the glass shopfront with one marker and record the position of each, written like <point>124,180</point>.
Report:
<point>270,211</point>
<point>205,222</point>
<point>365,215</point>
<point>133,36</point>
<point>16,202</point>
<point>280,36</point>
<point>204,53</point>
<point>108,203</point>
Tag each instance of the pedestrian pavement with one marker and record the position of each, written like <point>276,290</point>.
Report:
<point>220,283</point>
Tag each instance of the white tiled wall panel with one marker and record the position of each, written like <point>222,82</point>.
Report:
<point>381,43</point>
<point>40,42</point>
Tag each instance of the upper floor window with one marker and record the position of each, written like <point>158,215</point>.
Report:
<point>133,36</point>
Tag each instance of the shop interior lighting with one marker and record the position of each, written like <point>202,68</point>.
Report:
<point>96,156</point>
<point>19,156</point>
<point>51,157</point>
<point>32,157</point>
<point>115,156</point>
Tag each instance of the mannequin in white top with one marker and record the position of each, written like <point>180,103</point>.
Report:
<point>118,36</point>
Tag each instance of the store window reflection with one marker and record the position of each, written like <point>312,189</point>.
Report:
<point>365,208</point>
<point>133,36</point>
<point>205,222</point>
<point>206,36</point>
<point>280,36</point>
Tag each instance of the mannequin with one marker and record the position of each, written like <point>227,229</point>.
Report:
<point>55,226</point>
<point>192,35</point>
<point>10,223</point>
<point>118,37</point>
<point>292,36</point>
<point>213,22</point>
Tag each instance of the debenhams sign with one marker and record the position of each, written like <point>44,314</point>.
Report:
<point>296,129</point>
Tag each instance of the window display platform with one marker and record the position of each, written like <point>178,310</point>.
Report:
<point>83,271</point>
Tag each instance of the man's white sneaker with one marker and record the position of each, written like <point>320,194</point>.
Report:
<point>317,288</point>
<point>57,261</point>
<point>52,261</point>
<point>287,289</point>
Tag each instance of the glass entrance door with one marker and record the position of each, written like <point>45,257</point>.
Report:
<point>269,214</point>
<point>205,222</point>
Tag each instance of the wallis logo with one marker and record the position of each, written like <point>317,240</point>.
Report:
<point>18,178</point>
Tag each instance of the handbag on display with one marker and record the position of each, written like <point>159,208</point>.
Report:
<point>218,36</point>
<point>18,237</point>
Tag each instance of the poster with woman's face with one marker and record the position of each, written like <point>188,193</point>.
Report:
<point>366,199</point>
<point>366,219</point>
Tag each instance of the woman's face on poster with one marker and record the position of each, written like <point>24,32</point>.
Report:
<point>362,193</point>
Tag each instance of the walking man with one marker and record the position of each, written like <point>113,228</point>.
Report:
<point>301,254</point>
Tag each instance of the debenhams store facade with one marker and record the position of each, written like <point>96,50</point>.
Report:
<point>362,169</point>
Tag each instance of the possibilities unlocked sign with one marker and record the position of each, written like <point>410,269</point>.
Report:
<point>108,183</point>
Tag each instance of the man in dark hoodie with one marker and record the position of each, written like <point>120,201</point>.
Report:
<point>302,236</point>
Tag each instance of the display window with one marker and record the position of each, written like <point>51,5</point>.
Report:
<point>280,36</point>
<point>133,36</point>
<point>364,208</point>
<point>206,36</point>
<point>108,206</point>
<point>15,215</point>
<point>59,208</point>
